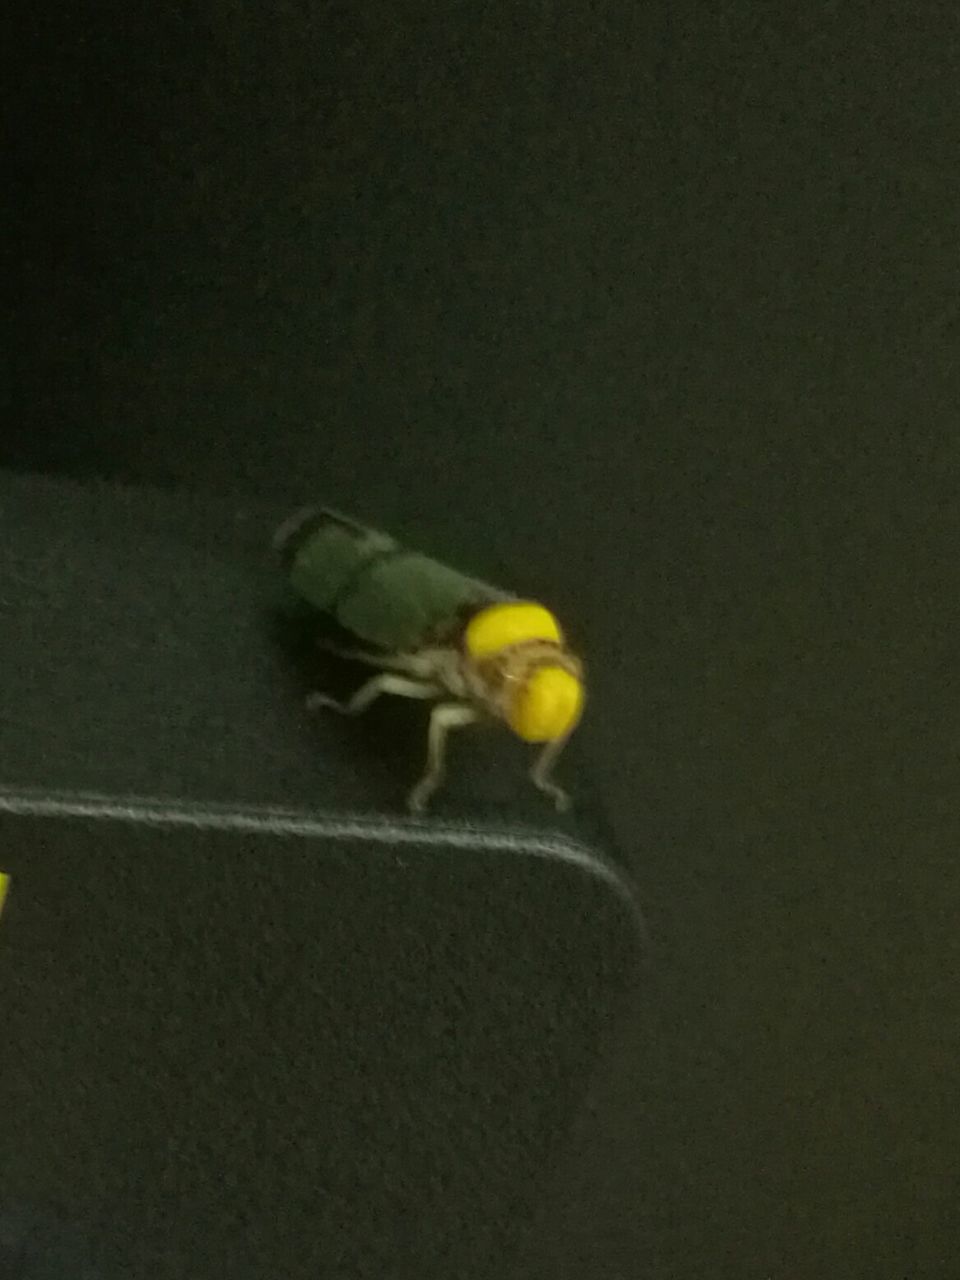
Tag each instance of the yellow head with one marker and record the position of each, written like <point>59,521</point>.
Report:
<point>539,686</point>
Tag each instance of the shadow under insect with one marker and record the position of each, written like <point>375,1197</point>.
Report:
<point>385,746</point>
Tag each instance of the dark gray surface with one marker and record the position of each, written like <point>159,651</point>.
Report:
<point>150,652</point>
<point>657,306</point>
<point>262,1023</point>
<point>297,1051</point>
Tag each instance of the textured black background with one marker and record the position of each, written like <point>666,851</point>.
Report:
<point>661,304</point>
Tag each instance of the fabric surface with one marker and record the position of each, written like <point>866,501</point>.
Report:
<point>256,1022</point>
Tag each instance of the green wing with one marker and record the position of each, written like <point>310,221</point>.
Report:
<point>373,587</point>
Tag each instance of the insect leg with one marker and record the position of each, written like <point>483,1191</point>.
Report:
<point>446,716</point>
<point>366,656</point>
<point>371,690</point>
<point>420,665</point>
<point>543,767</point>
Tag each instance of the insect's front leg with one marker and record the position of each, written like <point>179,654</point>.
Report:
<point>446,716</point>
<point>542,769</point>
<point>386,682</point>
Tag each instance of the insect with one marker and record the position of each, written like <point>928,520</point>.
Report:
<point>476,652</point>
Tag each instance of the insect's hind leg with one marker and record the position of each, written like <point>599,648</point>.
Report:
<point>386,682</point>
<point>419,665</point>
<point>368,657</point>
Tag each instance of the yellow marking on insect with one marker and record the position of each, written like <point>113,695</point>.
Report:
<point>4,887</point>
<point>547,706</point>
<point>513,622</point>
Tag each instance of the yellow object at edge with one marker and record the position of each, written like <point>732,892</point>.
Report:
<point>4,886</point>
